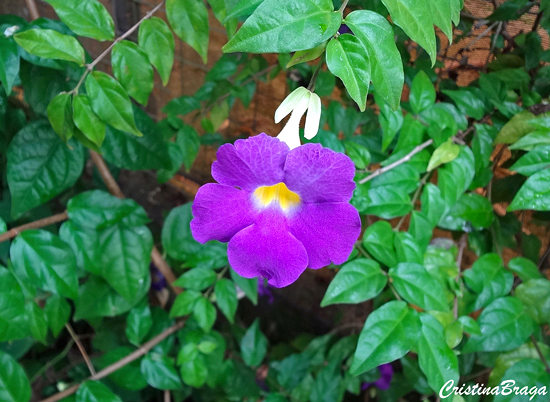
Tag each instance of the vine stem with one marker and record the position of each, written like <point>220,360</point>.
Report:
<point>81,348</point>
<point>311,86</point>
<point>146,347</point>
<point>343,6</point>
<point>393,165</point>
<point>541,355</point>
<point>91,66</point>
<point>50,220</point>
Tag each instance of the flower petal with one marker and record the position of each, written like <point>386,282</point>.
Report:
<point>313,117</point>
<point>290,134</point>
<point>328,232</point>
<point>290,103</point>
<point>256,161</point>
<point>220,212</point>
<point>267,249</point>
<point>319,174</point>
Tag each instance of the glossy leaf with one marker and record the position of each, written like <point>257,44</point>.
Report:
<point>189,20</point>
<point>195,372</point>
<point>378,240</point>
<point>422,94</point>
<point>132,69</point>
<point>356,282</point>
<point>196,279</point>
<point>157,41</point>
<point>444,153</point>
<point>435,358</point>
<point>534,194</point>
<point>503,325</point>
<point>46,260</point>
<point>517,127</point>
<point>358,153</point>
<point>467,102</point>
<point>226,298</point>
<point>254,345</point>
<point>526,374</point>
<point>111,102</point>
<point>471,211</point>
<point>533,161</point>
<point>51,44</point>
<point>9,63</point>
<point>455,177</point>
<point>377,35</point>
<point>280,26</point>
<point>389,333</point>
<point>60,114</point>
<point>184,303</point>
<point>40,166</point>
<point>57,312</point>
<point>347,59</point>
<point>37,321</point>
<point>248,285</point>
<point>433,205</point>
<point>416,285</point>
<point>14,385</point>
<point>524,268</point>
<point>89,124</point>
<point>407,248</point>
<point>94,391</point>
<point>138,324</point>
<point>535,295</point>
<point>160,372</point>
<point>205,313</point>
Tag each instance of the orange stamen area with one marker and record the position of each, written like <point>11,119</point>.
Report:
<point>279,194</point>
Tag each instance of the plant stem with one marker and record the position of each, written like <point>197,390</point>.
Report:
<point>311,86</point>
<point>50,220</point>
<point>81,348</point>
<point>541,355</point>
<point>415,197</point>
<point>393,165</point>
<point>52,362</point>
<point>343,6</point>
<point>91,66</point>
<point>146,347</point>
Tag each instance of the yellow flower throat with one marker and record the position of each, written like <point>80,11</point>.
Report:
<point>279,194</point>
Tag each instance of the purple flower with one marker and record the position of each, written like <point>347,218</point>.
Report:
<point>384,382</point>
<point>281,210</point>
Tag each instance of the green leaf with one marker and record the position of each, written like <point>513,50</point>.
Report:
<point>14,384</point>
<point>181,106</point>
<point>127,151</point>
<point>378,240</point>
<point>516,128</point>
<point>248,285</point>
<point>532,140</point>
<point>37,321</point>
<point>482,146</point>
<point>243,7</point>
<point>407,248</point>
<point>421,229</point>
<point>14,323</point>
<point>87,18</point>
<point>9,63</point>
<point>416,20</point>
<point>188,141</point>
<point>534,193</point>
<point>111,102</point>
<point>205,313</point>
<point>179,243</point>
<point>390,121</point>
<point>467,102</point>
<point>347,59</point>
<point>60,114</point>
<point>157,41</point>
<point>128,376</point>
<point>94,391</point>
<point>226,298</point>
<point>525,374</point>
<point>533,161</point>
<point>389,333</point>
<point>282,26</point>
<point>327,385</point>
<point>445,153</point>
<point>524,268</point>
<point>303,56</point>
<point>535,295</point>
<point>46,260</point>
<point>184,303</point>
<point>387,202</point>
<point>471,211</point>
<point>138,324</point>
<point>189,20</point>
<point>433,205</point>
<point>469,325</point>
<point>455,177</point>
<point>97,209</point>
<point>356,282</point>
<point>51,44</point>
<point>57,312</point>
<point>85,119</point>
<point>132,69</point>
<point>489,279</point>
<point>40,166</point>
<point>359,154</point>
<point>196,279</point>
<point>416,285</point>
<point>195,372</point>
<point>436,359</point>
<point>254,345</point>
<point>160,372</point>
<point>377,36</point>
<point>503,325</point>
<point>422,94</point>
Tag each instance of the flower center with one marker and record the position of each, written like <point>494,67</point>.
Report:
<point>279,194</point>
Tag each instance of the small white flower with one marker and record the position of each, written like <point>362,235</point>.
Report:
<point>10,31</point>
<point>300,100</point>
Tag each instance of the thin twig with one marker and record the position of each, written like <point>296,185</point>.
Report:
<point>461,247</point>
<point>33,11</point>
<point>393,165</point>
<point>311,86</point>
<point>50,220</point>
<point>541,355</point>
<point>114,189</point>
<point>91,66</point>
<point>416,194</point>
<point>81,348</point>
<point>343,6</point>
<point>481,35</point>
<point>52,362</point>
<point>146,347</point>
<point>167,397</point>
